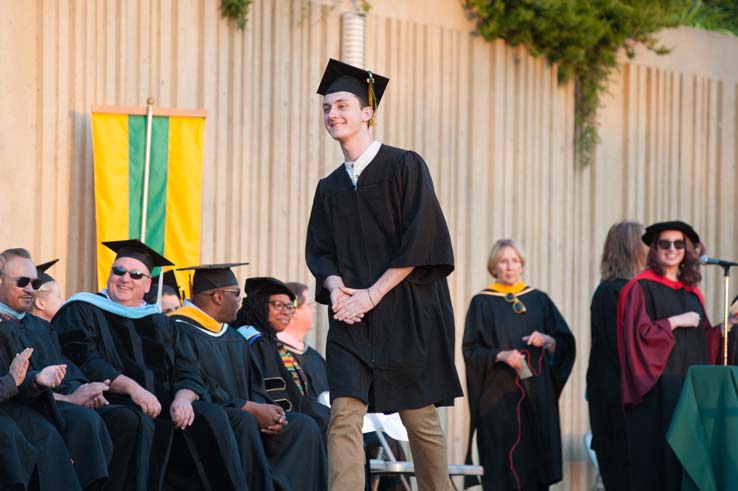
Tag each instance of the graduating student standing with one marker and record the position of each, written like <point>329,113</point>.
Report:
<point>379,248</point>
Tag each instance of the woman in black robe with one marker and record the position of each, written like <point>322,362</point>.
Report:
<point>623,257</point>
<point>519,353</point>
<point>267,310</point>
<point>662,330</point>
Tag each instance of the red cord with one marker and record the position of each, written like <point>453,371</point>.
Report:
<point>527,355</point>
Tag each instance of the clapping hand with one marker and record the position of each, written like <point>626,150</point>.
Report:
<point>19,365</point>
<point>51,376</point>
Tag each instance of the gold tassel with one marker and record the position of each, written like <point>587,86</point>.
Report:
<point>372,98</point>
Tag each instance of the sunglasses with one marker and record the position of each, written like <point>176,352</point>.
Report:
<point>284,307</point>
<point>134,274</point>
<point>666,244</point>
<point>517,306</point>
<point>23,281</point>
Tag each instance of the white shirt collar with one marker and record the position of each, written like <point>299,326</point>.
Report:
<point>355,168</point>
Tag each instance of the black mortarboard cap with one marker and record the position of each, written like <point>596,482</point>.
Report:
<point>138,250</point>
<point>339,77</point>
<point>267,286</point>
<point>170,280</point>
<point>41,271</point>
<point>212,276</point>
<point>653,231</point>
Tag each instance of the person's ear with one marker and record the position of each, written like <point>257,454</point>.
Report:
<point>39,303</point>
<point>366,114</point>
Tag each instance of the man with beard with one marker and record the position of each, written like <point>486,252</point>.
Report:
<point>83,430</point>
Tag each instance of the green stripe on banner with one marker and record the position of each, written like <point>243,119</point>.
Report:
<point>157,199</point>
<point>136,156</point>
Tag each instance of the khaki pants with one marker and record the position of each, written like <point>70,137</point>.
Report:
<point>346,446</point>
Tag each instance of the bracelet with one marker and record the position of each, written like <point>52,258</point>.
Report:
<point>370,297</point>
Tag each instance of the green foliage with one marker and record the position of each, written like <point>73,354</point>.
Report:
<point>713,15</point>
<point>236,10</point>
<point>581,37</point>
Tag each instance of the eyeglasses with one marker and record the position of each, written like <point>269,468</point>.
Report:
<point>236,292</point>
<point>23,281</point>
<point>134,274</point>
<point>282,306</point>
<point>666,244</point>
<point>517,306</point>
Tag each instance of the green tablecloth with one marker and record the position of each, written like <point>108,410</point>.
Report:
<point>704,429</point>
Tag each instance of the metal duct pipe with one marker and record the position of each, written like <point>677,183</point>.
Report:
<point>353,38</point>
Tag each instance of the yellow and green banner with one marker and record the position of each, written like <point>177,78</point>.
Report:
<point>173,206</point>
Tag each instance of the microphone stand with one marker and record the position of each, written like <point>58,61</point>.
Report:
<point>726,289</point>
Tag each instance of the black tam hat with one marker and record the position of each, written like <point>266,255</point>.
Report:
<point>653,231</point>
<point>342,77</point>
<point>138,250</point>
<point>212,276</point>
<point>267,286</point>
<point>41,271</point>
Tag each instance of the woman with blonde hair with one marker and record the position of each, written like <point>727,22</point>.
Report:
<point>519,353</point>
<point>623,257</point>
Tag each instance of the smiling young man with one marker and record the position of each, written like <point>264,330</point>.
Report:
<point>379,248</point>
<point>116,336</point>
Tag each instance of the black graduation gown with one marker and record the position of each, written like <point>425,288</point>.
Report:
<point>83,430</point>
<point>280,385</point>
<point>603,387</point>
<point>150,351</point>
<point>17,455</point>
<point>296,456</point>
<point>491,327</point>
<point>401,356</point>
<point>34,412</point>
<point>647,305</point>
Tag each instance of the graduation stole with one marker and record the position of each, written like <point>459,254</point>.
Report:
<point>108,305</point>
<point>500,290</point>
<point>292,366</point>
<point>200,317</point>
<point>4,309</point>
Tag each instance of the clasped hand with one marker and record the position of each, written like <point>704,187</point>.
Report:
<point>350,305</point>
<point>90,395</point>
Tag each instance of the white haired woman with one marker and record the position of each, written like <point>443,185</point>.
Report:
<point>519,353</point>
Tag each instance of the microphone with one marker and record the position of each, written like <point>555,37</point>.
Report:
<point>716,262</point>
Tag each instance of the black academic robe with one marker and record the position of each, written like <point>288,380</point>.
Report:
<point>603,387</point>
<point>492,387</point>
<point>401,355</point>
<point>83,430</point>
<point>150,351</point>
<point>17,455</point>
<point>656,359</point>
<point>31,443</point>
<point>296,456</point>
<point>280,385</point>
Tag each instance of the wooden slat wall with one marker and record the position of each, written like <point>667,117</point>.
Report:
<point>493,124</point>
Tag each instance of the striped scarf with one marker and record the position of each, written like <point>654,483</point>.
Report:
<point>293,367</point>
